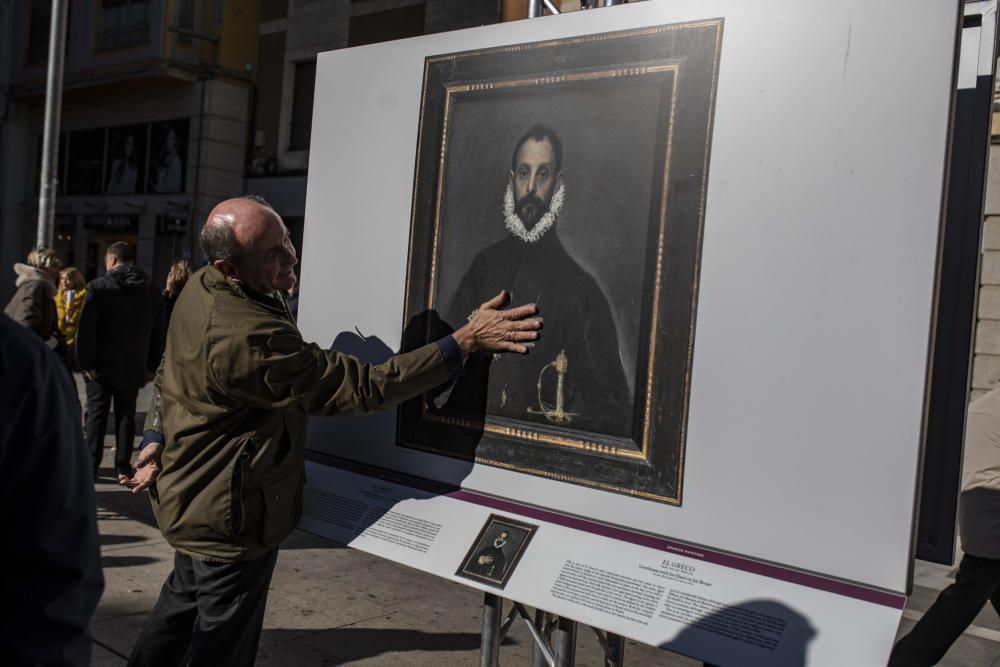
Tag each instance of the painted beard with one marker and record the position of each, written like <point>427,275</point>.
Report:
<point>516,224</point>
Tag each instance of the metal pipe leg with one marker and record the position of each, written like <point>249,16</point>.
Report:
<point>489,652</point>
<point>542,620</point>
<point>616,651</point>
<point>564,642</point>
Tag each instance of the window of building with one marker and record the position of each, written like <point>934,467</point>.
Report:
<point>124,23</point>
<point>302,103</point>
<point>273,9</point>
<point>386,25</point>
<point>185,19</point>
<point>38,31</point>
<point>85,162</point>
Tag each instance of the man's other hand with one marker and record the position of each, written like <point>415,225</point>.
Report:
<point>490,328</point>
<point>147,467</point>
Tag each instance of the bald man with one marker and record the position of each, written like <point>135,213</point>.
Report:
<point>224,437</point>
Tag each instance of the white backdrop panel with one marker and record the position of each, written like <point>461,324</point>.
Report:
<point>817,271</point>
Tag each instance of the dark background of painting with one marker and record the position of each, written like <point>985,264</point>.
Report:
<point>608,131</point>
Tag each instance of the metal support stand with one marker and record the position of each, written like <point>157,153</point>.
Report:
<point>554,637</point>
<point>489,654</point>
<point>614,648</point>
<point>564,642</point>
<point>543,623</point>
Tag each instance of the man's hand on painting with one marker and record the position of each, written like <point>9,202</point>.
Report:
<point>490,328</point>
<point>485,560</point>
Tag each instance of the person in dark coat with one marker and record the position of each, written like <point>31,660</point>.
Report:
<point>32,305</point>
<point>119,345</point>
<point>50,572</point>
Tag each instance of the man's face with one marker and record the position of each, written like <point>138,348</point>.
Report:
<point>534,180</point>
<point>266,252</point>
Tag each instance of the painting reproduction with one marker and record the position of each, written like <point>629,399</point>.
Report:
<point>571,173</point>
<point>498,547</point>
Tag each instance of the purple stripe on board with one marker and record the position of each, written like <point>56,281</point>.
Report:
<point>885,599</point>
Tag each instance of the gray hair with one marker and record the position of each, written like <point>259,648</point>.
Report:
<point>217,239</point>
<point>44,258</point>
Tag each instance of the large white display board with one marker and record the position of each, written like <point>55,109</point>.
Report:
<point>812,326</point>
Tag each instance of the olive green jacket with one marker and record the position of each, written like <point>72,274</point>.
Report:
<point>234,391</point>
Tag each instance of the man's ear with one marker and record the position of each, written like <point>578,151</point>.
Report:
<point>225,268</point>
<point>510,178</point>
<point>559,181</point>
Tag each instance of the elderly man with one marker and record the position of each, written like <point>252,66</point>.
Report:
<point>224,437</point>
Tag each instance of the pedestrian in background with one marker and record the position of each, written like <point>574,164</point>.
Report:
<point>32,305</point>
<point>119,345</point>
<point>177,277</point>
<point>978,579</point>
<point>50,571</point>
<point>69,302</point>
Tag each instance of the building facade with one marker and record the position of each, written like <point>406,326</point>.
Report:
<point>170,106</point>
<point>292,33</point>
<point>155,120</point>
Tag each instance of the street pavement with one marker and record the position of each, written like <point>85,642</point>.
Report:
<point>331,605</point>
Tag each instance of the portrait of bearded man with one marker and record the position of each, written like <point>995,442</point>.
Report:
<point>574,377</point>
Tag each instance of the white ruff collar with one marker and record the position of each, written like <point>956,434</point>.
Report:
<point>516,226</point>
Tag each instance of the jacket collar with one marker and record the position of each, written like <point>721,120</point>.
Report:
<point>26,273</point>
<point>216,280</point>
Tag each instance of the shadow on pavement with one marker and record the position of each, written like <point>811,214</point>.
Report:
<point>127,561</point>
<point>112,540</point>
<point>131,506</point>
<point>302,540</point>
<point>346,645</point>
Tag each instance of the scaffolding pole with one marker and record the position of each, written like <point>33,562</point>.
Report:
<point>50,136</point>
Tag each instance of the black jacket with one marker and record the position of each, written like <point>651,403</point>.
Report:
<point>50,572</point>
<point>121,332</point>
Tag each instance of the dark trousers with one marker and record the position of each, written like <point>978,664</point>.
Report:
<point>977,581</point>
<point>99,399</point>
<point>207,614</point>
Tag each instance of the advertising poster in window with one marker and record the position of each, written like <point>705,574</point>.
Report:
<point>168,156</point>
<point>126,163</point>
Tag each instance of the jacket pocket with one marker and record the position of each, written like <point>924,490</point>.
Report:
<point>282,499</point>
<point>239,479</point>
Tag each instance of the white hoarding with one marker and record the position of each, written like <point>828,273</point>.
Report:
<point>802,365</point>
